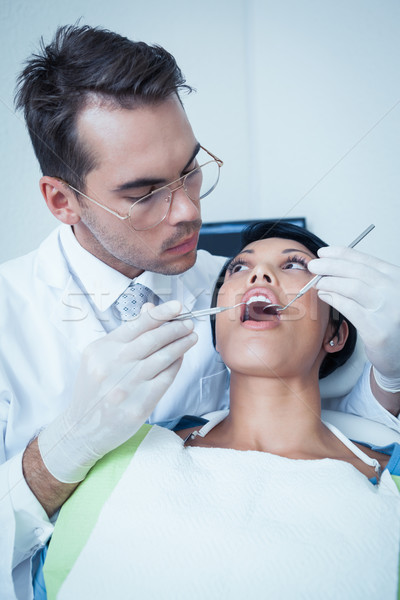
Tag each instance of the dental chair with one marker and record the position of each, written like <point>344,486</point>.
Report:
<point>361,429</point>
<point>337,385</point>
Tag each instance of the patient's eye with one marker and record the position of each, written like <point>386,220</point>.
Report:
<point>237,265</point>
<point>296,262</point>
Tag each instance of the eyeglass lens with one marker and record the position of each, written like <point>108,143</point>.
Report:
<point>153,209</point>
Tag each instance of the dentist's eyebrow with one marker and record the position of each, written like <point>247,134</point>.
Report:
<point>149,181</point>
<point>195,153</point>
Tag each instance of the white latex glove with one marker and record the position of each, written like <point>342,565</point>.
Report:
<point>121,378</point>
<point>366,290</point>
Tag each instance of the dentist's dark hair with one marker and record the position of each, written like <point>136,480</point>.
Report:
<point>80,65</point>
<point>271,229</point>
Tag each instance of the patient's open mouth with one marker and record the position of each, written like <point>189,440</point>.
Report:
<point>259,308</point>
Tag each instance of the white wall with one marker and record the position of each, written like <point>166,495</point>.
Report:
<point>301,98</point>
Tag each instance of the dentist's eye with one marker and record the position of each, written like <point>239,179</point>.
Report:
<point>296,262</point>
<point>236,266</point>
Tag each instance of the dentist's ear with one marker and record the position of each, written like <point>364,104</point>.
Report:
<point>60,199</point>
<point>337,342</point>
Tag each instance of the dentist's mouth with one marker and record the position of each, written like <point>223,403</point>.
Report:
<point>185,246</point>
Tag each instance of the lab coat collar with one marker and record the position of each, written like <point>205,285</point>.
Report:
<point>64,266</point>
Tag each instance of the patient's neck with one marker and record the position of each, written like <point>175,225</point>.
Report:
<point>282,416</point>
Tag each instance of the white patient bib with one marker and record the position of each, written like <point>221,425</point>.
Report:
<point>196,523</point>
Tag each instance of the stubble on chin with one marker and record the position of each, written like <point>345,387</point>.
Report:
<point>186,263</point>
<point>113,249</point>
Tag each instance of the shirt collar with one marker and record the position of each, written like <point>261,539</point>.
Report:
<point>103,283</point>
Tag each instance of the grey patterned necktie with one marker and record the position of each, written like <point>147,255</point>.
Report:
<point>129,304</point>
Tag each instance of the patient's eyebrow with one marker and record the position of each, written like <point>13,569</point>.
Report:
<point>286,251</point>
<point>289,250</point>
<point>149,181</point>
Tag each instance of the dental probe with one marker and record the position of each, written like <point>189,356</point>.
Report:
<point>205,312</point>
<point>315,279</point>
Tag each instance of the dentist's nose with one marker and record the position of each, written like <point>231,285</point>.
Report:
<point>182,208</point>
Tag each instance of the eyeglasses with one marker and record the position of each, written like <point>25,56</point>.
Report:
<point>150,210</point>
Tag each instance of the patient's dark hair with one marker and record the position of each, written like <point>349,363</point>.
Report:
<point>80,64</point>
<point>271,229</point>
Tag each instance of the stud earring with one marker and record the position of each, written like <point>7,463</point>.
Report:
<point>331,343</point>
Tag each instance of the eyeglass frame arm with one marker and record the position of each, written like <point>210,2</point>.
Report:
<point>219,162</point>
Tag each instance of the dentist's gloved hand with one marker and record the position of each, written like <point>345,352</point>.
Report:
<point>120,381</point>
<point>367,291</point>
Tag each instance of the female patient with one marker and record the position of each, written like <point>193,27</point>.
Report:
<point>266,501</point>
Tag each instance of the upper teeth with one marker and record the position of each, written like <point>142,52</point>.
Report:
<point>258,299</point>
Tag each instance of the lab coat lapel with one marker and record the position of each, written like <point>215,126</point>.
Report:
<point>74,317</point>
<point>70,310</point>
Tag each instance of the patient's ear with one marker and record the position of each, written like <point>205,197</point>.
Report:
<point>60,200</point>
<point>337,342</point>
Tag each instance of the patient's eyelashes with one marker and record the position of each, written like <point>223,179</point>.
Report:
<point>236,265</point>
<point>296,262</point>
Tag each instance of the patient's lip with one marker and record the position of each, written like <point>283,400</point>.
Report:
<point>265,292</point>
<point>260,294</point>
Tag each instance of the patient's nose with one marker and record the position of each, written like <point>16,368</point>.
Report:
<point>263,273</point>
<point>260,277</point>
